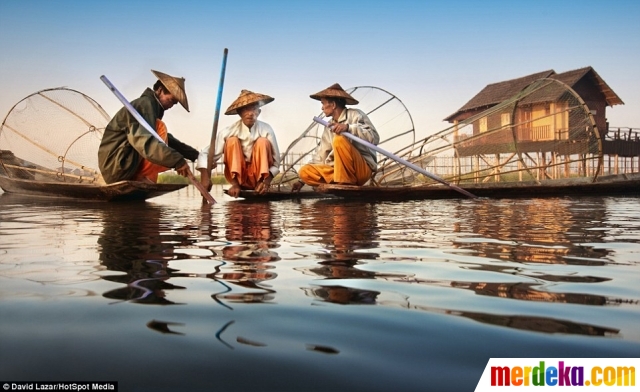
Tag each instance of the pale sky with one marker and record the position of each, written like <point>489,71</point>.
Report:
<point>433,55</point>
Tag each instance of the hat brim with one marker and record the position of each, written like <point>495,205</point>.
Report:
<point>250,99</point>
<point>348,99</point>
<point>175,86</point>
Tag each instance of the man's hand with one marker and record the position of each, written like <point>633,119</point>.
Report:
<point>339,128</point>
<point>234,191</point>
<point>184,170</point>
<point>295,188</point>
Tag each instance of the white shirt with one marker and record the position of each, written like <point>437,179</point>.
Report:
<point>247,139</point>
<point>359,125</point>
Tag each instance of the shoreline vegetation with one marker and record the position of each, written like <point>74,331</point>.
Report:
<point>172,178</point>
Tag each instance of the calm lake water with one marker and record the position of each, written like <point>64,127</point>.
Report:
<point>311,295</point>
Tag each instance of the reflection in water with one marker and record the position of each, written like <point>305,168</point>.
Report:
<point>346,229</point>
<point>249,228</point>
<point>322,349</point>
<point>163,327</point>
<point>440,278</point>
<point>529,292</point>
<point>135,241</point>
<point>539,230</point>
<point>506,239</point>
<point>539,324</point>
<point>248,342</point>
<point>343,295</point>
<point>221,331</point>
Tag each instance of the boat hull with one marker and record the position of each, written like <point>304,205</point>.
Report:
<point>282,193</point>
<point>609,185</point>
<point>119,191</point>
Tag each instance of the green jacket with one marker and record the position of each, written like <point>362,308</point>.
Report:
<point>125,142</point>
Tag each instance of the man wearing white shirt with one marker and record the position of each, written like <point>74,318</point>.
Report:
<point>250,150</point>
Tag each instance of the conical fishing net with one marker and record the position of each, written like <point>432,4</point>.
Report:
<point>53,136</point>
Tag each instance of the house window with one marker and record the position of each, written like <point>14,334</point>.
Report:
<point>482,124</point>
<point>505,119</point>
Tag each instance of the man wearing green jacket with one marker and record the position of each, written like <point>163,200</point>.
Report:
<point>129,152</point>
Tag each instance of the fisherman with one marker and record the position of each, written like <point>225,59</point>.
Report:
<point>251,155</point>
<point>337,160</point>
<point>129,152</point>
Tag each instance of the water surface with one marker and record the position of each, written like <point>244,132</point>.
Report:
<point>311,295</point>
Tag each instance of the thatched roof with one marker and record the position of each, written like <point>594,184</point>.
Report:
<point>495,93</point>
<point>571,78</point>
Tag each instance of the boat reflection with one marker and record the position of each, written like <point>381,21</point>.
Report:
<point>346,229</point>
<point>538,324</point>
<point>530,292</point>
<point>547,231</point>
<point>343,295</point>
<point>249,229</point>
<point>164,327</point>
<point>137,240</point>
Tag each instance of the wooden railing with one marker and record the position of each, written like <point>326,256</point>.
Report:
<point>542,132</point>
<point>623,133</point>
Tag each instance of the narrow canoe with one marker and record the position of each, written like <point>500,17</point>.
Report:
<point>624,184</point>
<point>282,193</point>
<point>119,191</point>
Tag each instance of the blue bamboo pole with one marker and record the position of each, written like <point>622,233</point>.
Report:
<point>216,116</point>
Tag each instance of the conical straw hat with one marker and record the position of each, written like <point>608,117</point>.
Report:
<point>335,91</point>
<point>175,87</point>
<point>246,98</point>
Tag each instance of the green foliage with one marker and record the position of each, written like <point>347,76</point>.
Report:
<point>172,178</point>
<point>219,180</point>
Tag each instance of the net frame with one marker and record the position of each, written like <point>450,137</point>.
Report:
<point>53,135</point>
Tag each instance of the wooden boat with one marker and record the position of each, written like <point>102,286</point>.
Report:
<point>49,147</point>
<point>283,193</point>
<point>624,184</point>
<point>119,191</point>
<point>392,121</point>
<point>542,141</point>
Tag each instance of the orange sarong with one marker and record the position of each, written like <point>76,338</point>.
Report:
<point>150,170</point>
<point>349,167</point>
<point>250,173</point>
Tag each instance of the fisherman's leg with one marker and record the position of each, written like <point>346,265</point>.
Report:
<point>350,166</point>
<point>261,160</point>
<point>235,167</point>
<point>316,174</point>
<point>148,171</point>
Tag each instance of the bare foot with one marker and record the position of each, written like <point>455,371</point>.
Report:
<point>260,188</point>
<point>263,186</point>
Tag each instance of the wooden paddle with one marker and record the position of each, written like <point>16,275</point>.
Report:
<point>216,115</point>
<point>396,158</point>
<point>150,129</point>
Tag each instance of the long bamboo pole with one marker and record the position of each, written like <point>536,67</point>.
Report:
<point>150,129</point>
<point>216,115</point>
